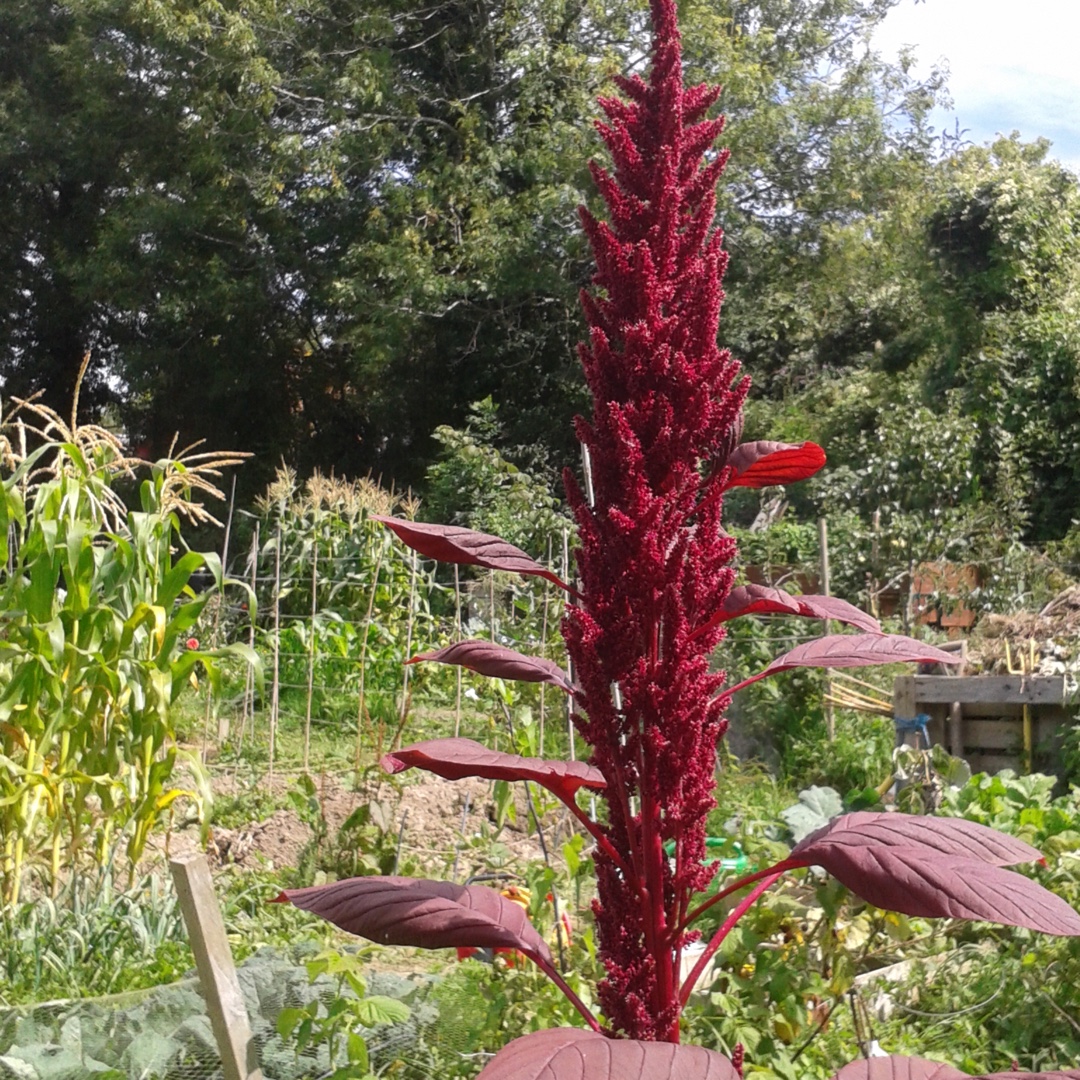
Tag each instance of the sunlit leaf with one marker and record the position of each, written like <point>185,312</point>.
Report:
<point>946,836</point>
<point>454,544</point>
<point>498,662</point>
<point>898,1068</point>
<point>575,1054</point>
<point>919,880</point>
<point>853,650</point>
<point>422,913</point>
<point>454,759</point>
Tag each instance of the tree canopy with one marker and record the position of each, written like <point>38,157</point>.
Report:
<point>323,230</point>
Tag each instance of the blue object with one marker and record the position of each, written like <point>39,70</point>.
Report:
<point>916,724</point>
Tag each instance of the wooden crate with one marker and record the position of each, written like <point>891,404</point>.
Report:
<point>980,717</point>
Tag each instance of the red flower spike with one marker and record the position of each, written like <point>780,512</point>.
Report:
<point>654,561</point>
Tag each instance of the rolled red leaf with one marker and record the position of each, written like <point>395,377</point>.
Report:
<point>766,464</point>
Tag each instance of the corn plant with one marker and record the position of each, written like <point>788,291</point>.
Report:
<point>96,614</point>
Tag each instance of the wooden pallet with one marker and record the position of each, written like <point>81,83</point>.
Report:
<point>981,717</point>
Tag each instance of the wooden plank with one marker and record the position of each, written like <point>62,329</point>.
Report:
<point>904,697</point>
<point>992,763</point>
<point>994,734</point>
<point>956,729</point>
<point>214,963</point>
<point>1006,689</point>
<point>982,710</point>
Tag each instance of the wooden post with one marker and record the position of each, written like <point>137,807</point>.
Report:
<point>361,709</point>
<point>275,691</point>
<point>311,641</point>
<point>214,963</point>
<point>249,676</point>
<point>545,585</point>
<point>457,667</point>
<point>823,547</point>
<point>956,711</point>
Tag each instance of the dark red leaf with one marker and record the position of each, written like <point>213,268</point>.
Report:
<point>899,1068</point>
<point>921,881</point>
<point>764,464</point>
<point>1057,1074</point>
<point>499,662</point>
<point>575,1054</point>
<point>908,1068</point>
<point>946,836</point>
<point>422,913</point>
<point>454,759</point>
<point>761,600</point>
<point>853,650</point>
<point>454,544</point>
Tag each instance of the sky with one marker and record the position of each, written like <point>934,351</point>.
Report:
<point>1013,65</point>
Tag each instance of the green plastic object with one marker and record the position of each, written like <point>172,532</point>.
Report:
<point>737,862</point>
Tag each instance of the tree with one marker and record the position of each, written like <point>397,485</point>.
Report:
<point>320,231</point>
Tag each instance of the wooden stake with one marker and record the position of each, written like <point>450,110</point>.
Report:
<point>275,691</point>
<point>360,711</point>
<point>823,544</point>
<point>249,678</point>
<point>404,715</point>
<point>223,719</point>
<point>545,585</point>
<point>311,642</point>
<point>569,668</point>
<point>217,972</point>
<point>457,667</point>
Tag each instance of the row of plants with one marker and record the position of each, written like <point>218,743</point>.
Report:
<point>97,613</point>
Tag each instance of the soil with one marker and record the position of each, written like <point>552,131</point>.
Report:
<point>438,823</point>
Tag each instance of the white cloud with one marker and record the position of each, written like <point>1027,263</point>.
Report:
<point>1012,66</point>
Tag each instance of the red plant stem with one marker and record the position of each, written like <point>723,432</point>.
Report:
<point>600,837</point>
<point>780,867</point>
<point>748,682</point>
<point>561,983</point>
<point>660,942</point>
<point>718,937</point>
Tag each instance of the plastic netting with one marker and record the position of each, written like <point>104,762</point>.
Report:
<point>164,1033</point>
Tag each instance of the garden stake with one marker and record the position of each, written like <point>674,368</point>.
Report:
<point>540,837</point>
<point>361,713</point>
<point>457,670</point>
<point>275,690</point>
<point>249,676</point>
<point>311,641</point>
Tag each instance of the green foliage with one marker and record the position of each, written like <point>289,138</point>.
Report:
<point>97,614</point>
<point>95,939</point>
<point>474,485</point>
<point>338,1025</point>
<point>323,233</point>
